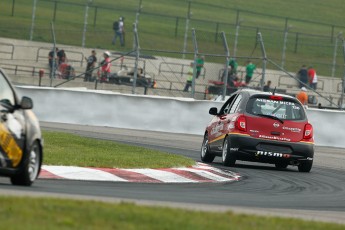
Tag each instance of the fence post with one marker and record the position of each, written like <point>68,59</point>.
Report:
<point>33,20</point>
<point>95,17</point>
<point>137,50</point>
<point>85,22</point>
<point>13,4</point>
<point>53,69</point>
<point>335,53</point>
<point>238,24</point>
<point>196,52</point>
<point>286,31</point>
<point>296,42</point>
<point>216,35</point>
<point>332,33</point>
<point>176,26</point>
<point>227,53</point>
<point>55,8</point>
<point>343,80</point>
<point>264,61</point>
<point>186,30</point>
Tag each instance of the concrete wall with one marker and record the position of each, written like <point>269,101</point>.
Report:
<point>177,115</point>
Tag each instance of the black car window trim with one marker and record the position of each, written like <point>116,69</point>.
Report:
<point>236,104</point>
<point>229,103</point>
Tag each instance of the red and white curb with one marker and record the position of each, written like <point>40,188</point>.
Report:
<point>200,173</point>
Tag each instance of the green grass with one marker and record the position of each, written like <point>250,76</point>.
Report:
<point>73,150</point>
<point>46,213</point>
<point>158,31</point>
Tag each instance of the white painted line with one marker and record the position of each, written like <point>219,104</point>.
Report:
<point>228,173</point>
<point>80,173</point>
<point>162,175</point>
<point>206,174</point>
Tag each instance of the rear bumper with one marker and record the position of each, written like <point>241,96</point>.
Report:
<point>268,151</point>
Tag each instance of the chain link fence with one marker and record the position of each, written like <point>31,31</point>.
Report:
<point>165,55</point>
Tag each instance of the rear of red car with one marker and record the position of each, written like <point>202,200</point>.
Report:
<point>260,127</point>
<point>273,129</point>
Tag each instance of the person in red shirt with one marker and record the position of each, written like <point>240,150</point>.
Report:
<point>312,77</point>
<point>105,67</point>
<point>302,96</point>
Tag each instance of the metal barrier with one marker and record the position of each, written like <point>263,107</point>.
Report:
<point>40,56</point>
<point>17,69</point>
<point>182,69</point>
<point>5,45</point>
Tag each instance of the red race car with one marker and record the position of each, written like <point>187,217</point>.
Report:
<point>261,127</point>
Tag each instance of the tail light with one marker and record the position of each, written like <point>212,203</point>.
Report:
<point>241,123</point>
<point>308,131</point>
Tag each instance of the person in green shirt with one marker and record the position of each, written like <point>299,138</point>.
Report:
<point>249,71</point>
<point>189,78</point>
<point>200,61</point>
<point>233,64</point>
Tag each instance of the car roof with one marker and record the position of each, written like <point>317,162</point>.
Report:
<point>252,92</point>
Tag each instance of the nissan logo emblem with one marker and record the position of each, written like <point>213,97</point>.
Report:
<point>276,125</point>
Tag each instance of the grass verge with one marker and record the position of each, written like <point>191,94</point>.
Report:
<point>52,213</point>
<point>73,150</point>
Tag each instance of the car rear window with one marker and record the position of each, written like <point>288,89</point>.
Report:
<point>282,108</point>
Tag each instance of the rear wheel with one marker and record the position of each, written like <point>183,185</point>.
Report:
<point>305,166</point>
<point>30,168</point>
<point>206,155</point>
<point>227,158</point>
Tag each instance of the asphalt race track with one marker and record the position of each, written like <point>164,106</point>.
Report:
<point>318,195</point>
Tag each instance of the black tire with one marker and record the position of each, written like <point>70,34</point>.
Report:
<point>205,153</point>
<point>281,165</point>
<point>305,166</point>
<point>227,158</point>
<point>30,167</point>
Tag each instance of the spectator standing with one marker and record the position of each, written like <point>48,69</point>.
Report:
<point>119,30</point>
<point>267,87</point>
<point>105,67</point>
<point>90,65</point>
<point>189,78</point>
<point>51,57</point>
<point>312,77</point>
<point>61,56</point>
<point>200,61</point>
<point>302,96</point>
<point>249,71</point>
<point>233,67</point>
<point>303,76</point>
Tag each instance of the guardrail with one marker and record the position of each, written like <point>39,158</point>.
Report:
<point>183,69</point>
<point>4,51</point>
<point>71,58</point>
<point>163,114</point>
<point>28,70</point>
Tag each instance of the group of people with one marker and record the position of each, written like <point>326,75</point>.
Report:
<point>57,61</point>
<point>307,77</point>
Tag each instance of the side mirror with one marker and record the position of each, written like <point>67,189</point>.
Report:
<point>213,111</point>
<point>26,103</point>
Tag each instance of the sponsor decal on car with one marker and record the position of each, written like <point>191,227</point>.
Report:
<point>294,130</point>
<point>217,129</point>
<point>10,146</point>
<point>275,138</point>
<point>275,102</point>
<point>271,154</point>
